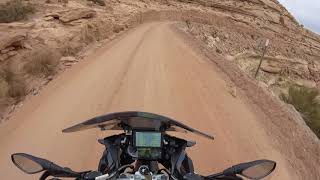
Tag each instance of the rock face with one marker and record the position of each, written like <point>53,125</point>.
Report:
<point>233,28</point>
<point>9,43</point>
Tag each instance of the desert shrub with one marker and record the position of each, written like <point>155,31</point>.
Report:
<point>17,88</point>
<point>42,63</point>
<point>15,10</point>
<point>12,85</point>
<point>117,28</point>
<point>188,23</point>
<point>99,2</point>
<point>305,101</point>
<point>4,88</point>
<point>70,49</point>
<point>87,35</point>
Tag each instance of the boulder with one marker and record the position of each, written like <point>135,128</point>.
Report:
<point>6,56</point>
<point>74,14</point>
<point>48,18</point>
<point>14,39</point>
<point>99,2</point>
<point>6,50</point>
<point>306,83</point>
<point>68,60</point>
<point>27,46</point>
<point>12,53</point>
<point>16,26</point>
<point>270,69</point>
<point>3,57</point>
<point>54,15</point>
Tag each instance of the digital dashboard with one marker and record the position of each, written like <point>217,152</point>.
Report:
<point>148,144</point>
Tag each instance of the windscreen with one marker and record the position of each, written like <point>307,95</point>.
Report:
<point>134,120</point>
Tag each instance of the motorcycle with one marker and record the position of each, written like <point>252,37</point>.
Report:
<point>137,153</point>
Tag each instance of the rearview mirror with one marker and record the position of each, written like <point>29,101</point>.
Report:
<point>27,163</point>
<point>259,170</point>
<point>253,170</point>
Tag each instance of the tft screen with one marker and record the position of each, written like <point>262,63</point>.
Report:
<point>148,139</point>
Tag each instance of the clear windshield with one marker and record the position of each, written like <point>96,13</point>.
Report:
<point>134,120</point>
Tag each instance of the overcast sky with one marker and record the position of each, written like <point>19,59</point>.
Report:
<point>307,12</point>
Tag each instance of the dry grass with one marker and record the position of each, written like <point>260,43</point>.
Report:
<point>87,35</point>
<point>188,23</point>
<point>99,2</point>
<point>70,49</point>
<point>12,86</point>
<point>4,88</point>
<point>305,101</point>
<point>42,63</point>
<point>15,10</point>
<point>117,28</point>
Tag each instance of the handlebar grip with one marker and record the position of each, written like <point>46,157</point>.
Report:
<point>192,176</point>
<point>103,177</point>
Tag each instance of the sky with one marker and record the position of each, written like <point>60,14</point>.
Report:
<point>307,12</point>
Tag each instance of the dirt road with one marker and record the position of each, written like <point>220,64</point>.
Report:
<point>148,69</point>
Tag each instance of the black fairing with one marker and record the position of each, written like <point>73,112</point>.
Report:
<point>115,156</point>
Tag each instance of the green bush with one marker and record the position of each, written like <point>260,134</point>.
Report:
<point>42,63</point>
<point>15,10</point>
<point>305,101</point>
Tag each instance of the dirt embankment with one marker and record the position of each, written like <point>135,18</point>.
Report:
<point>283,124</point>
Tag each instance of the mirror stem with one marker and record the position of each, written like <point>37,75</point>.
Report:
<point>45,175</point>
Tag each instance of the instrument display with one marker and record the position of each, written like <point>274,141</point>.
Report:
<point>148,139</point>
<point>148,144</point>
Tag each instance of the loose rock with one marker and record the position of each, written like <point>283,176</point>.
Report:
<point>75,14</point>
<point>8,40</point>
<point>4,51</point>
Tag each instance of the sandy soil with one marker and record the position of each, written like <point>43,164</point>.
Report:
<point>148,69</point>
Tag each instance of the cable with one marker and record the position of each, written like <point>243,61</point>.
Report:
<point>169,174</point>
<point>120,169</point>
